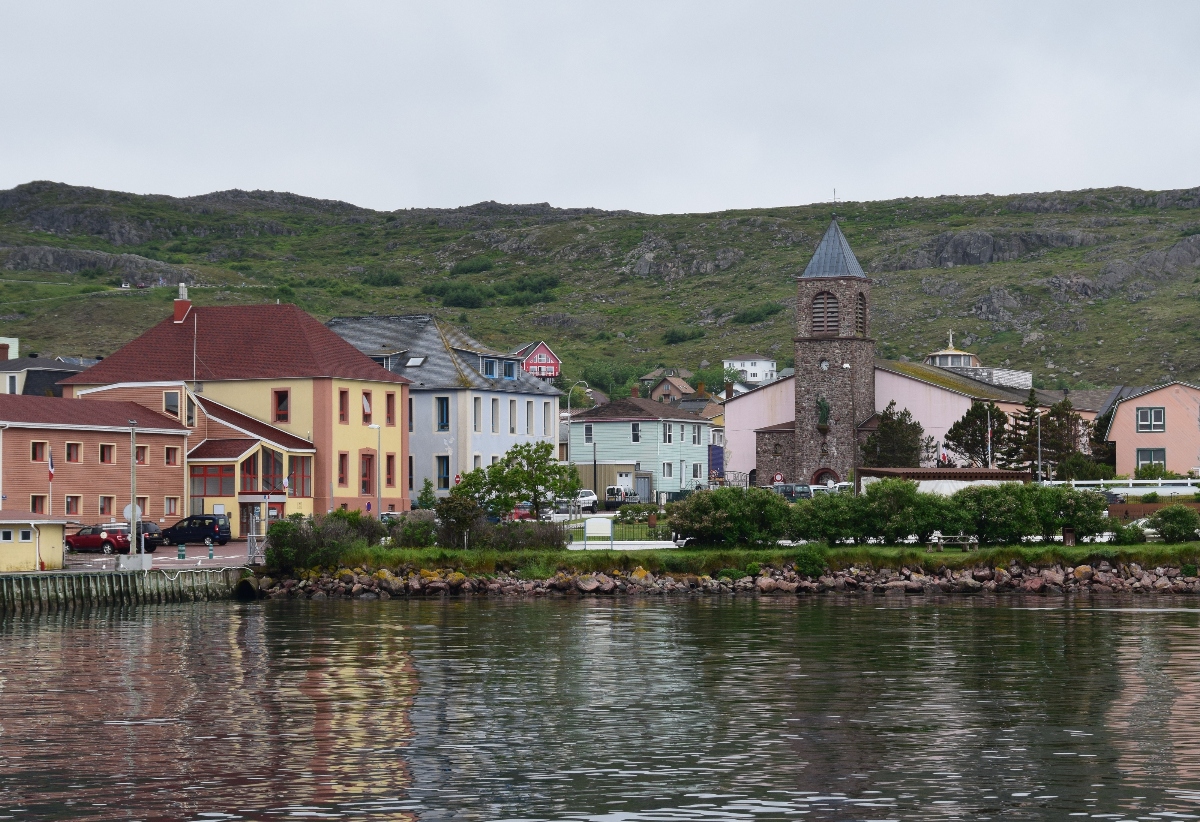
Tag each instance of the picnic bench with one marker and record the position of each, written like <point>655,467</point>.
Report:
<point>942,540</point>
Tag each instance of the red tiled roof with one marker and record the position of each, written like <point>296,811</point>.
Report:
<point>221,449</point>
<point>23,409</point>
<point>257,428</point>
<point>236,342</point>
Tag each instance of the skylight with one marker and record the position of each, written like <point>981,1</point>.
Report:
<point>414,362</point>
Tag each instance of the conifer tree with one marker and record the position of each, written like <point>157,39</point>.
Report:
<point>1063,431</point>
<point>969,436</point>
<point>1019,449</point>
<point>896,443</point>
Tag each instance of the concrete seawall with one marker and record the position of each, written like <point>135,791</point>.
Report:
<point>51,591</point>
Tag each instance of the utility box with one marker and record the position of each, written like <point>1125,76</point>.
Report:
<point>134,562</point>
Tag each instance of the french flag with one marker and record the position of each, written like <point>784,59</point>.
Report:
<point>51,465</point>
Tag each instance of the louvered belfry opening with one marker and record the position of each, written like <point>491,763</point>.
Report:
<point>824,314</point>
<point>860,315</point>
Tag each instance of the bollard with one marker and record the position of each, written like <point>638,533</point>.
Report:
<point>181,551</point>
<point>210,549</point>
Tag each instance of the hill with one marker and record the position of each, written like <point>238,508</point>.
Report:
<point>1086,288</point>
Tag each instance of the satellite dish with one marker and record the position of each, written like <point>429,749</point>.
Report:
<point>128,510</point>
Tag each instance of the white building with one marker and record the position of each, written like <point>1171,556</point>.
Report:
<point>754,368</point>
<point>468,404</point>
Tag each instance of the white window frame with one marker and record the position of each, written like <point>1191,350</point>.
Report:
<point>25,535</point>
<point>635,432</point>
<point>1151,419</point>
<point>495,415</point>
<point>666,433</point>
<point>695,434</point>
<point>1151,461</point>
<point>529,418</point>
<point>697,470</point>
<point>512,416</point>
<point>477,408</point>
<point>588,436</point>
<point>667,469</point>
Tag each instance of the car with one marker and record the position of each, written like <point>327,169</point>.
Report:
<point>107,539</point>
<point>617,495</point>
<point>522,510</point>
<point>390,517</point>
<point>792,492</point>
<point>587,501</point>
<point>203,528</point>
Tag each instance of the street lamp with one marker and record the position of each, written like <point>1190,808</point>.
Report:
<point>378,458</point>
<point>133,511</point>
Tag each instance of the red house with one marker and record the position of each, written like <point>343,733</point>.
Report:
<point>537,359</point>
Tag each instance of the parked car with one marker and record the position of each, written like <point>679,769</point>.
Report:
<point>792,492</point>
<point>837,488</point>
<point>617,495</point>
<point>199,528</point>
<point>113,538</point>
<point>522,510</point>
<point>587,501</point>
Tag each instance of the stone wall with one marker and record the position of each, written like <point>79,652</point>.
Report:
<point>776,451</point>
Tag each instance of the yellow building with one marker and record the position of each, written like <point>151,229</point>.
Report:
<point>30,542</point>
<point>285,416</point>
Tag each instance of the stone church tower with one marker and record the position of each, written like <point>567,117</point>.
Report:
<point>835,362</point>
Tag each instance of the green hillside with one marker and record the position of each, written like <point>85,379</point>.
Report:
<point>1085,288</point>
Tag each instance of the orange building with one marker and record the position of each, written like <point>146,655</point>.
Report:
<point>1157,426</point>
<point>90,449</point>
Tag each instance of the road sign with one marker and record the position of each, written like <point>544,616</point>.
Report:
<point>457,479</point>
<point>129,510</point>
<point>368,507</point>
<point>778,477</point>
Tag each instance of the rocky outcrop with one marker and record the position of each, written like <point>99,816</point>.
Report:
<point>131,267</point>
<point>1139,277</point>
<point>655,257</point>
<point>954,248</point>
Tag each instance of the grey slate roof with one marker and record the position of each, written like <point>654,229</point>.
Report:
<point>833,257</point>
<point>452,359</point>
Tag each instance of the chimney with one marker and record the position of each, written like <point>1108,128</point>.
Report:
<point>4,351</point>
<point>700,388</point>
<point>182,304</point>
<point>633,392</point>
<point>728,390</point>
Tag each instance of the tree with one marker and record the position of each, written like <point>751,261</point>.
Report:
<point>526,473</point>
<point>969,436</point>
<point>1020,446</point>
<point>1063,431</point>
<point>896,443</point>
<point>427,498</point>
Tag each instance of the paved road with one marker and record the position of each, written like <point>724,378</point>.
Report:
<point>231,554</point>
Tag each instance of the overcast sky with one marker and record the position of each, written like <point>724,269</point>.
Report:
<point>658,107</point>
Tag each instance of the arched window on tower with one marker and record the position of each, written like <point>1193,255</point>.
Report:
<point>860,315</point>
<point>824,314</point>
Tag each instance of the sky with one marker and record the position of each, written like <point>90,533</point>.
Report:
<point>661,107</point>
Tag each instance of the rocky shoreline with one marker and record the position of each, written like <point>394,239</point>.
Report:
<point>385,583</point>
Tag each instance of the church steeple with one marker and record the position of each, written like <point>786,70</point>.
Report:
<point>833,257</point>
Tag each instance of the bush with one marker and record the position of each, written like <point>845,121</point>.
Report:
<point>729,573</point>
<point>894,510</point>
<point>1128,535</point>
<point>296,542</point>
<point>753,569</point>
<point>1154,471</point>
<point>810,563</point>
<point>1001,514</point>
<point>416,529</point>
<point>741,516</point>
<point>388,279</point>
<point>1151,497</point>
<point>475,265</point>
<point>757,314</point>
<point>524,535</point>
<point>462,522</point>
<point>1187,569</point>
<point>1176,523</point>
<point>641,512</point>
<point>675,336</point>
<point>827,517</point>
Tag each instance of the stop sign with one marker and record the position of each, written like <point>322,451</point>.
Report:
<point>457,479</point>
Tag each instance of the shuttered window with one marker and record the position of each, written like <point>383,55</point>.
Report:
<point>860,315</point>
<point>825,314</point>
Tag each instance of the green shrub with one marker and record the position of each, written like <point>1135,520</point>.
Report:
<point>1001,514</point>
<point>675,336</point>
<point>297,542</point>
<point>810,562</point>
<point>739,516</point>
<point>753,569</point>
<point>474,265</point>
<point>428,497</point>
<point>893,510</point>
<point>416,529</point>
<point>1154,471</point>
<point>523,535</point>
<point>757,314</point>
<point>1128,535</point>
<point>1151,497</point>
<point>729,573</point>
<point>827,517</point>
<point>1176,523</point>
<point>641,512</point>
<point>385,279</point>
<point>1187,570</point>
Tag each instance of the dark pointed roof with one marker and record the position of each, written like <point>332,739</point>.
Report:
<point>833,257</point>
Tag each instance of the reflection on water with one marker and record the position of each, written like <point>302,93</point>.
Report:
<point>601,710</point>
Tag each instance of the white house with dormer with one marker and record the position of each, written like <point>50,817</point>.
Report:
<point>754,368</point>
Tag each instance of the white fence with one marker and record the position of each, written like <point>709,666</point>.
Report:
<point>1166,487</point>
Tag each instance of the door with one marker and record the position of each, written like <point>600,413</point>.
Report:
<point>643,488</point>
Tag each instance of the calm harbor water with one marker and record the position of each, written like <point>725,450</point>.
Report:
<point>602,710</point>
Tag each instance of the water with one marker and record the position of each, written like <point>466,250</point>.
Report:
<point>601,710</point>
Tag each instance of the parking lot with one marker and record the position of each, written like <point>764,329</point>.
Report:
<point>231,554</point>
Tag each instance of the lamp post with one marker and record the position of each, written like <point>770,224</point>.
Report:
<point>378,459</point>
<point>133,511</point>
<point>569,392</point>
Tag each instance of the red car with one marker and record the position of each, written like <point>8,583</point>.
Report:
<point>107,539</point>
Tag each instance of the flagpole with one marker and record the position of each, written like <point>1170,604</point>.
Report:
<point>50,497</point>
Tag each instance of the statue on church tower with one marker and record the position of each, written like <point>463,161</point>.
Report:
<point>835,362</point>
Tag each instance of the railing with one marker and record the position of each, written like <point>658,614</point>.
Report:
<point>1186,482</point>
<point>256,549</point>
<point>621,532</point>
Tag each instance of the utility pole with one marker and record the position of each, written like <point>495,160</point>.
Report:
<point>1039,446</point>
<point>133,509</point>
<point>989,427</point>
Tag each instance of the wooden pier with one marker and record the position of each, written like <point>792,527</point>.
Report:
<point>66,589</point>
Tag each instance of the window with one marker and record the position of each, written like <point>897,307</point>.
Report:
<point>281,405</point>
<point>366,404</point>
<point>410,420</point>
<point>824,314</point>
<point>495,416</point>
<point>477,412</point>
<point>512,416</point>
<point>37,451</point>
<point>410,473</point>
<point>666,433</point>
<point>443,413</point>
<point>587,433</point>
<point>667,468</point>
<point>212,480</point>
<point>74,449</point>
<point>695,435</point>
<point>366,473</point>
<point>171,403</point>
<point>635,433</point>
<point>191,413</point>
<point>250,473</point>
<point>344,406</point>
<point>143,505</point>
<point>389,470</point>
<point>72,506</point>
<point>26,535</point>
<point>547,419</point>
<point>510,370</point>
<point>1152,456</point>
<point>171,506</point>
<point>343,471</point>
<point>860,315</point>
<point>299,476</point>
<point>106,506</point>
<point>696,469</point>
<point>478,462</point>
<point>272,471</point>
<point>12,386</point>
<point>495,459</point>
<point>107,453</point>
<point>170,455</point>
<point>489,369</point>
<point>1151,419</point>
<point>37,504</point>
<point>389,408</point>
<point>7,535</point>
<point>141,454</point>
<point>443,473</point>
<point>529,418</point>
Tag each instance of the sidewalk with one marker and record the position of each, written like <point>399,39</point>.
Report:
<point>231,554</point>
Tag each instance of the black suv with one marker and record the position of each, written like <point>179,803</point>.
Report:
<point>198,528</point>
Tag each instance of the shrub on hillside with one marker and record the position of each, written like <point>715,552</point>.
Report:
<point>739,516</point>
<point>681,335</point>
<point>1176,523</point>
